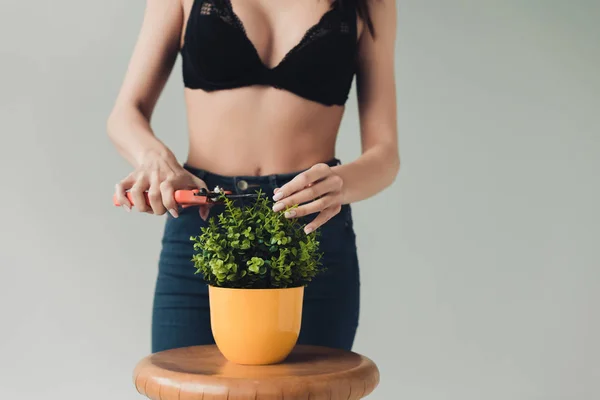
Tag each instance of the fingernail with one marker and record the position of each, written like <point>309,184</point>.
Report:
<point>290,214</point>
<point>308,229</point>
<point>126,207</point>
<point>278,196</point>
<point>173,212</point>
<point>278,207</point>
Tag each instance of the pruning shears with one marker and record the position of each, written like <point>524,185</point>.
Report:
<point>195,197</point>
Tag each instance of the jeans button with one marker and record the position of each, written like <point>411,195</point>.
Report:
<point>242,184</point>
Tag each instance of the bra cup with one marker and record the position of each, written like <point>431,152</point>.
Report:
<point>324,79</point>
<point>212,55</point>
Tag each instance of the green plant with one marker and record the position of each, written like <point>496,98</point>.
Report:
<point>255,247</point>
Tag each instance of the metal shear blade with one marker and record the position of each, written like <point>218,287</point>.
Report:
<point>242,196</point>
<point>229,195</point>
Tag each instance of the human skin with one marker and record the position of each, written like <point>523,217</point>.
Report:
<point>258,130</point>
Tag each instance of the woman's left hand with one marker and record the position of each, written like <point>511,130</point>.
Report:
<point>319,187</point>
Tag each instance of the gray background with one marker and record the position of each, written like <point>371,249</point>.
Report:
<point>479,266</point>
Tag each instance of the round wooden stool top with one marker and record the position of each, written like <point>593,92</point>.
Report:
<point>202,373</point>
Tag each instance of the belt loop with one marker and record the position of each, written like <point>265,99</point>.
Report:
<point>273,183</point>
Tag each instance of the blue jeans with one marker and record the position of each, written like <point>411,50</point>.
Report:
<point>181,315</point>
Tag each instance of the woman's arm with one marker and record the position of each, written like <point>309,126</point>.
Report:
<point>151,63</point>
<point>156,169</point>
<point>379,163</point>
<point>324,189</point>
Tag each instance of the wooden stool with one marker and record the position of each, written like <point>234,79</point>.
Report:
<point>202,373</point>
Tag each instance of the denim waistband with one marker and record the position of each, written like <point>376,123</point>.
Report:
<point>243,183</point>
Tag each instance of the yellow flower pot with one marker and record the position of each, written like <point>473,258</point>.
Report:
<point>255,326</point>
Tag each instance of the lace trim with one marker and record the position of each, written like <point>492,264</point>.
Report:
<point>209,7</point>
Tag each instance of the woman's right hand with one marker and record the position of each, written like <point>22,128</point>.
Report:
<point>160,176</point>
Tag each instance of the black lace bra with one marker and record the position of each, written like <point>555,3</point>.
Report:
<point>217,54</point>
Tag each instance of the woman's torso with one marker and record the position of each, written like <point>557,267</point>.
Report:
<point>260,129</point>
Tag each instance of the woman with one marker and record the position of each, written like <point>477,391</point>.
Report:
<point>265,97</point>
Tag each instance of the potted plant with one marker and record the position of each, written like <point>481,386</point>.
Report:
<point>256,263</point>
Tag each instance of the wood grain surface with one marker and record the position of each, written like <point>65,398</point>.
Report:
<point>309,373</point>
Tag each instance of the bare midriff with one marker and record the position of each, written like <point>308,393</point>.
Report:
<point>258,130</point>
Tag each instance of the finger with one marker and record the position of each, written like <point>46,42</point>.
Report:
<point>139,197</point>
<point>331,184</point>
<point>204,211</point>
<point>322,218</point>
<point>302,180</point>
<point>205,208</point>
<point>121,192</point>
<point>316,206</point>
<point>167,192</point>
<point>155,198</point>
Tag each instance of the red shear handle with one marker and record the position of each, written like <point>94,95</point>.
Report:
<point>182,197</point>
